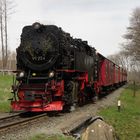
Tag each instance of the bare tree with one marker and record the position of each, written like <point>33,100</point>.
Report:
<point>122,59</point>
<point>132,45</point>
<point>1,31</point>
<point>5,6</point>
<point>6,38</point>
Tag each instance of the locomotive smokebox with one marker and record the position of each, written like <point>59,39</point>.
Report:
<point>39,46</point>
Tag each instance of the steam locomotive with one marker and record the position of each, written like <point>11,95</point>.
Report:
<point>56,71</point>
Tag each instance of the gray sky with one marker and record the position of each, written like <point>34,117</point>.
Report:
<point>101,22</point>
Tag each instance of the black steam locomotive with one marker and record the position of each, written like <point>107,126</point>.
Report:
<point>54,70</point>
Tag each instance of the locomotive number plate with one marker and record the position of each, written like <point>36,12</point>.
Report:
<point>38,58</point>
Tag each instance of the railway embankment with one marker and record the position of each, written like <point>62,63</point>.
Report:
<point>126,122</point>
<point>55,125</point>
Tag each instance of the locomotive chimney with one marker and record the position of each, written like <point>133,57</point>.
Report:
<point>36,25</point>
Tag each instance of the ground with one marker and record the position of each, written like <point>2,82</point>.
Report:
<point>55,125</point>
<point>126,122</point>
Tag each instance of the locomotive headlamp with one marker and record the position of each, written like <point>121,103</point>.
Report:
<point>21,74</point>
<point>36,25</point>
<point>51,74</point>
<point>33,74</point>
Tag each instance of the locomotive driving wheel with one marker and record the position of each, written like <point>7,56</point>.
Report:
<point>81,98</point>
<point>71,95</point>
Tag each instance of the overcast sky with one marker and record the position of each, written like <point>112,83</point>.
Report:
<point>101,22</point>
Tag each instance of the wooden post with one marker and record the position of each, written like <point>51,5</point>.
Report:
<point>119,105</point>
<point>134,91</point>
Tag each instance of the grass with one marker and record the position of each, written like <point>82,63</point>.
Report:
<point>127,121</point>
<point>53,137</point>
<point>5,92</point>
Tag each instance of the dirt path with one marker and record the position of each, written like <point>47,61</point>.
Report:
<point>55,125</point>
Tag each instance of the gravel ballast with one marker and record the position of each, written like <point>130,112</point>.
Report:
<point>57,124</point>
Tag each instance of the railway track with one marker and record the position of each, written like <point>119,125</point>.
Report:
<point>7,123</point>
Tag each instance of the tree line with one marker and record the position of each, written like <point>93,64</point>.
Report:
<point>11,61</point>
<point>129,55</point>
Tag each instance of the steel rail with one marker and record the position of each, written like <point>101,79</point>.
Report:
<point>17,120</point>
